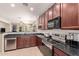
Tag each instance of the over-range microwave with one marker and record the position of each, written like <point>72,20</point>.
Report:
<point>54,23</point>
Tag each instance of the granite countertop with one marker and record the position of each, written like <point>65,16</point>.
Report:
<point>22,33</point>
<point>71,51</point>
<point>66,48</point>
<point>14,35</point>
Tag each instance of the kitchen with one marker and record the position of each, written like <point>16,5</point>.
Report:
<point>55,30</point>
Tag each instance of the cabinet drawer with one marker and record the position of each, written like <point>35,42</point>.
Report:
<point>59,52</point>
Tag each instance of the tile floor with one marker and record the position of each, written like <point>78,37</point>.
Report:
<point>32,51</point>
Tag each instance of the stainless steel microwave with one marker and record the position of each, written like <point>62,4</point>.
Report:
<point>54,23</point>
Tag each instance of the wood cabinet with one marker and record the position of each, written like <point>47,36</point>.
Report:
<point>78,15</point>
<point>46,20</point>
<point>39,23</point>
<point>58,52</point>
<point>69,15</point>
<point>25,41</point>
<point>22,41</point>
<point>56,10</point>
<point>39,41</point>
<point>19,42</point>
<point>28,41</point>
<point>50,13</point>
<point>43,21</point>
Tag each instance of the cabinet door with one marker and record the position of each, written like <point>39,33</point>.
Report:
<point>50,14</point>
<point>39,41</point>
<point>59,52</point>
<point>78,14</point>
<point>46,20</point>
<point>43,21</point>
<point>26,41</point>
<point>40,23</point>
<point>56,10</point>
<point>19,42</point>
<point>69,15</point>
<point>32,40</point>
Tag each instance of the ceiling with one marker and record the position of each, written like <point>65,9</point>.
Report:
<point>22,12</point>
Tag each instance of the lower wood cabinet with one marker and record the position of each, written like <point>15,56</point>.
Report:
<point>58,52</point>
<point>19,42</point>
<point>28,41</point>
<point>39,41</point>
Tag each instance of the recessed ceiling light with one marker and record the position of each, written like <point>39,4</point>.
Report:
<point>12,5</point>
<point>31,8</point>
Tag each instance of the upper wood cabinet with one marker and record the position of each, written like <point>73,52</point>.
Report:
<point>43,21</point>
<point>78,14</point>
<point>39,23</point>
<point>69,15</point>
<point>56,10</point>
<point>46,20</point>
<point>50,13</point>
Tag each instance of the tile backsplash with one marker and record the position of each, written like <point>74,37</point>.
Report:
<point>59,31</point>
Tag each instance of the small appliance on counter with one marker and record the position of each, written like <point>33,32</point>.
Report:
<point>73,40</point>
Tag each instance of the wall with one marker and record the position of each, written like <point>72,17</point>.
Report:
<point>5,24</point>
<point>21,24</point>
<point>27,27</point>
